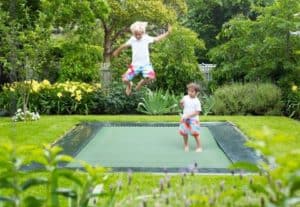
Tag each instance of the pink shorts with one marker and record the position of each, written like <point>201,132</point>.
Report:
<point>146,70</point>
<point>189,126</point>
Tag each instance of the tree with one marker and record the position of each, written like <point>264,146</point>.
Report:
<point>77,42</point>
<point>206,17</point>
<point>23,44</point>
<point>175,60</point>
<point>261,49</point>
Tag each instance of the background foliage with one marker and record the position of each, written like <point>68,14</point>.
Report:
<point>250,98</point>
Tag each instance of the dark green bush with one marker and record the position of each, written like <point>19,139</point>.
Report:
<point>250,98</point>
<point>116,101</point>
<point>80,62</point>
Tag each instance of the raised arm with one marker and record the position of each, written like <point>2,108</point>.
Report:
<point>164,35</point>
<point>117,51</point>
<point>181,104</point>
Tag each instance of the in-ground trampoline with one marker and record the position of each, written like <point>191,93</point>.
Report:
<point>155,147</point>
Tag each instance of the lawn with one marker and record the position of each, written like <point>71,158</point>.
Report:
<point>283,135</point>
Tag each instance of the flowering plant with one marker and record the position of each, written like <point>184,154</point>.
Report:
<point>25,116</point>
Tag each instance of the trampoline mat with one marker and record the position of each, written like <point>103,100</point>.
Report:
<point>155,147</point>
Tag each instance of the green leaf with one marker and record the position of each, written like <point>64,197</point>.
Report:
<point>258,188</point>
<point>7,199</point>
<point>67,192</point>
<point>294,183</point>
<point>33,201</point>
<point>70,175</point>
<point>5,183</point>
<point>245,166</point>
<point>34,182</point>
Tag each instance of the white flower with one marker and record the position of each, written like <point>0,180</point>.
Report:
<point>29,116</point>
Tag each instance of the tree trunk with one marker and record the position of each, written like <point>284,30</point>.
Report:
<point>105,71</point>
<point>105,74</point>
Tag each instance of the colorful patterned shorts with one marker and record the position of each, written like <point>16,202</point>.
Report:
<point>189,126</point>
<point>146,70</point>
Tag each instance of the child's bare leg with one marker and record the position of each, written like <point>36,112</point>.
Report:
<point>198,144</point>
<point>142,82</point>
<point>185,140</point>
<point>128,86</point>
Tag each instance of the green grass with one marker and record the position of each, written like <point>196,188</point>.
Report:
<point>50,128</point>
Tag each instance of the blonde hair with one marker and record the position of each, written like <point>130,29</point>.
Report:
<point>194,86</point>
<point>139,27</point>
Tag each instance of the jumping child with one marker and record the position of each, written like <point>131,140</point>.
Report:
<point>139,43</point>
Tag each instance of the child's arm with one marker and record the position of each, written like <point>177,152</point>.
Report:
<point>164,35</point>
<point>117,51</point>
<point>187,116</point>
<point>181,103</point>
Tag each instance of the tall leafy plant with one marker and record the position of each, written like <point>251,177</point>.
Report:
<point>15,182</point>
<point>158,102</point>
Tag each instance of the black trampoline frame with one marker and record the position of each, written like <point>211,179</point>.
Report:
<point>228,137</point>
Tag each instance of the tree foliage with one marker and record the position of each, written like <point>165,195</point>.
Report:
<point>78,39</point>
<point>175,61</point>
<point>262,49</point>
<point>206,18</point>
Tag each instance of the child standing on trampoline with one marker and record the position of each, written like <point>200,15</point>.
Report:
<point>139,42</point>
<point>189,123</point>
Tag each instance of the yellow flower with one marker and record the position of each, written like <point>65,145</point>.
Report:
<point>35,87</point>
<point>46,82</point>
<point>294,88</point>
<point>78,97</point>
<point>11,89</point>
<point>59,94</point>
<point>98,85</point>
<point>72,89</point>
<point>78,92</point>
<point>89,90</point>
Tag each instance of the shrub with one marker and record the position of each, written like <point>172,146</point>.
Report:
<point>250,98</point>
<point>116,101</point>
<point>58,98</point>
<point>208,103</point>
<point>292,103</point>
<point>80,62</point>
<point>158,102</point>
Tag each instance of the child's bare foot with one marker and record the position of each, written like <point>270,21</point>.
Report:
<point>199,149</point>
<point>186,149</point>
<point>128,89</point>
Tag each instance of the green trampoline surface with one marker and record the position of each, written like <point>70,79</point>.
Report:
<point>154,147</point>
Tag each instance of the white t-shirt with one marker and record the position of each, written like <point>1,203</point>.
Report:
<point>191,105</point>
<point>140,50</point>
